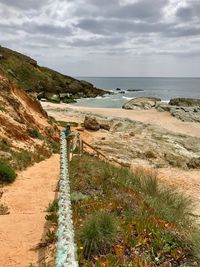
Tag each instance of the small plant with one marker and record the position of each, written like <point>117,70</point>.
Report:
<point>53,206</point>
<point>34,133</point>
<point>31,265</point>
<point>51,236</point>
<point>3,210</point>
<point>77,196</point>
<point>7,173</point>
<point>98,234</point>
<point>5,145</point>
<point>53,218</point>
<point>23,159</point>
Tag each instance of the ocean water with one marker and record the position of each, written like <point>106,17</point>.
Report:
<point>164,88</point>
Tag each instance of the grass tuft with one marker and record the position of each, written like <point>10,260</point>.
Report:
<point>7,173</point>
<point>98,234</point>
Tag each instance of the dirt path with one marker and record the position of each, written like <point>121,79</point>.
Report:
<point>27,199</point>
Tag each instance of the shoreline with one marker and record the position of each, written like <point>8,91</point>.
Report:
<point>152,116</point>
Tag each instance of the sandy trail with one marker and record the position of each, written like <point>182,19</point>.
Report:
<point>27,199</point>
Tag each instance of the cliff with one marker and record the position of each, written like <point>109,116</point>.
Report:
<point>43,82</point>
<point>26,134</point>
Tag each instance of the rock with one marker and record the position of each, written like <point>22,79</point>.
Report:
<point>122,92</point>
<point>90,123</point>
<point>194,163</point>
<point>5,155</point>
<point>184,102</point>
<point>86,84</point>
<point>135,90</point>
<point>118,89</point>
<point>55,98</point>
<point>185,113</point>
<point>163,107</point>
<point>11,73</point>
<point>142,103</point>
<point>75,87</point>
<point>105,127</point>
<point>80,129</point>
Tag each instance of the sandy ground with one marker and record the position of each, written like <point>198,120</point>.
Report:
<point>27,199</point>
<point>187,182</point>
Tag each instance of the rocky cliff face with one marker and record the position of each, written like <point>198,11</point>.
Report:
<point>42,81</point>
<point>25,132</point>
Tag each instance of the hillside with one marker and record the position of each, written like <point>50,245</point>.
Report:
<point>43,82</point>
<point>26,135</point>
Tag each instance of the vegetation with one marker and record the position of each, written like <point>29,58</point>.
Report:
<point>98,234</point>
<point>7,173</point>
<point>34,133</point>
<point>52,218</point>
<point>3,209</point>
<point>139,223</point>
<point>24,71</point>
<point>5,145</point>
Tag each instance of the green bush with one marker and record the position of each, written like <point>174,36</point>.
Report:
<point>53,206</point>
<point>23,159</point>
<point>98,234</point>
<point>5,145</point>
<point>7,174</point>
<point>34,133</point>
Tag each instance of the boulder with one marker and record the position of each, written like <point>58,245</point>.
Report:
<point>184,113</point>
<point>184,102</point>
<point>90,123</point>
<point>135,90</point>
<point>142,103</point>
<point>118,89</point>
<point>105,126</point>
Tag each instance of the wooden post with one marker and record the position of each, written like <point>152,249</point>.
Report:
<point>68,149</point>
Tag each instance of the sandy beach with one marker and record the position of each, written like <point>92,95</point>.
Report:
<point>162,119</point>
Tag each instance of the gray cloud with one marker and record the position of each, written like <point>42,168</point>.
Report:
<point>95,29</point>
<point>25,4</point>
<point>190,11</point>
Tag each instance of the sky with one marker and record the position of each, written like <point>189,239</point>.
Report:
<point>147,38</point>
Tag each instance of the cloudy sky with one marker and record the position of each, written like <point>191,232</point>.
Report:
<point>106,37</point>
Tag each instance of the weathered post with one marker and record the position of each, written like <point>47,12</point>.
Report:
<point>69,136</point>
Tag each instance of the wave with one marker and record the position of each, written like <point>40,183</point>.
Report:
<point>127,98</point>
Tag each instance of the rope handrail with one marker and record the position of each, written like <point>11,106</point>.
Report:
<point>66,248</point>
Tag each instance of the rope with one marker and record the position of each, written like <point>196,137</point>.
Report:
<point>66,248</point>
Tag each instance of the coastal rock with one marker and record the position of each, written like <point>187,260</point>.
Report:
<point>186,113</point>
<point>135,90</point>
<point>185,102</point>
<point>90,123</point>
<point>105,127</point>
<point>118,89</point>
<point>142,103</point>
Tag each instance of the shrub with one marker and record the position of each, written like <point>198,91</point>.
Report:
<point>34,133</point>
<point>5,145</point>
<point>7,173</point>
<point>3,210</point>
<point>23,159</point>
<point>53,206</point>
<point>98,234</point>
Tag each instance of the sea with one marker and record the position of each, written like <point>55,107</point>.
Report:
<point>125,88</point>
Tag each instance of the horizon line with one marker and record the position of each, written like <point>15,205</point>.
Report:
<point>176,77</point>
